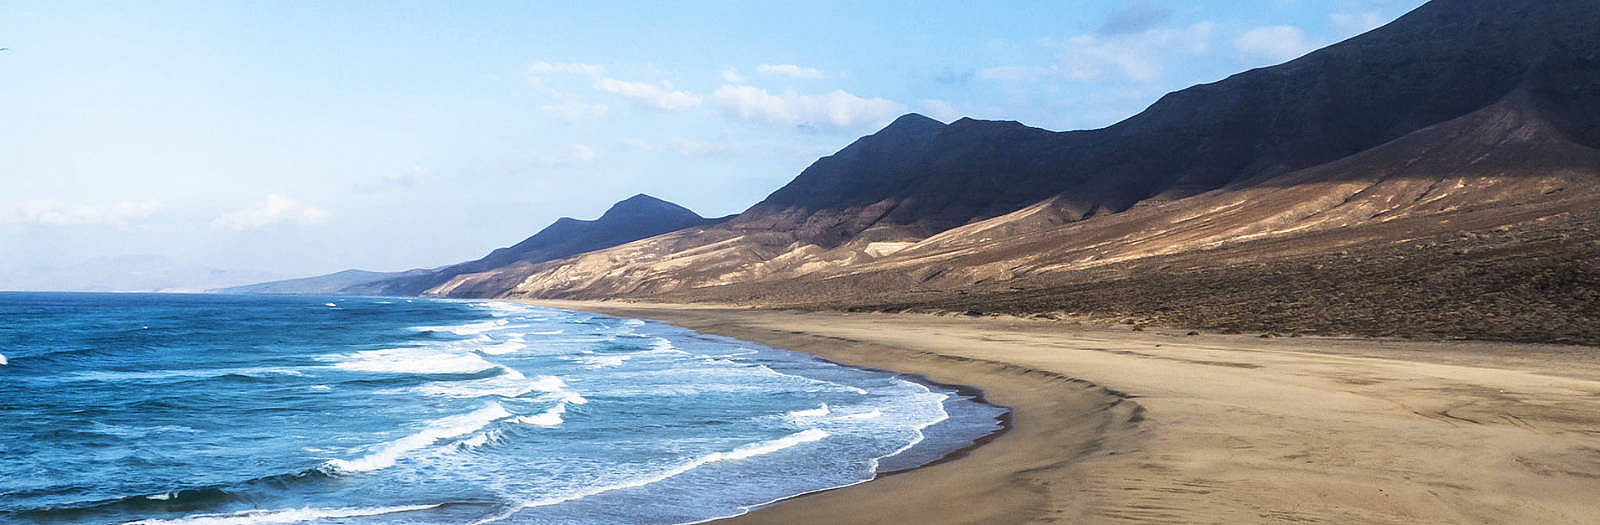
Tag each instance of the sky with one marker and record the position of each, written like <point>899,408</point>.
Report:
<point>298,138</point>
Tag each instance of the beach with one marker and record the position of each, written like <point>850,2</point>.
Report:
<point>1115,425</point>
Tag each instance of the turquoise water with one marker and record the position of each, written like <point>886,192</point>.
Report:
<point>147,408</point>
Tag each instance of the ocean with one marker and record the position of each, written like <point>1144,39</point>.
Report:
<point>161,408</point>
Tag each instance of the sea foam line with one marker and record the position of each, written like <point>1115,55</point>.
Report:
<point>742,452</point>
<point>443,428</point>
<point>253,517</point>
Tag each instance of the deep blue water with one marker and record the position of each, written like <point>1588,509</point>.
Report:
<point>148,408</point>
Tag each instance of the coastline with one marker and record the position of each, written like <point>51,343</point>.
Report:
<point>1110,425</point>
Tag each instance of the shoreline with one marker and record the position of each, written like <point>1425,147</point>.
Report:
<point>1111,425</point>
<point>846,504</point>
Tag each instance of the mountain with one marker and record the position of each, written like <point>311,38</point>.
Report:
<point>634,218</point>
<point>321,284</point>
<point>1462,117</point>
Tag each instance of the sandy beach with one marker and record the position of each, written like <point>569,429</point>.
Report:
<point>1112,425</point>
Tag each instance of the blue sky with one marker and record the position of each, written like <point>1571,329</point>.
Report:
<point>305,137</point>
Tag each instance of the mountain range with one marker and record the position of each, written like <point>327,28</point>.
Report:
<point>1435,176</point>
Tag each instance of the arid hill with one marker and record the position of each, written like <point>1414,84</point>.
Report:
<point>1413,179</point>
<point>631,219</point>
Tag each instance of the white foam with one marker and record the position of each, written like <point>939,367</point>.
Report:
<point>742,452</point>
<point>509,383</point>
<point>874,414</point>
<point>443,428</point>
<point>329,305</point>
<point>3,360</point>
<point>99,375</point>
<point>412,360</point>
<point>551,417</point>
<point>320,388</point>
<point>467,328</point>
<point>604,361</point>
<point>512,345</point>
<point>548,332</point>
<point>809,413</point>
<point>633,322</point>
<point>253,517</point>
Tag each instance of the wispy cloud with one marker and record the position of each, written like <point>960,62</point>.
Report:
<point>574,155</point>
<point>702,148</point>
<point>574,110</point>
<point>659,96</point>
<point>405,179</point>
<point>273,210</point>
<point>732,75</point>
<point>55,213</point>
<point>789,70</point>
<point>651,95</point>
<point>833,109</point>
<point>1141,56</point>
<point>1274,42</point>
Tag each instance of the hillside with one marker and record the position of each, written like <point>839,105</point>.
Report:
<point>321,284</point>
<point>1463,134</point>
<point>631,219</point>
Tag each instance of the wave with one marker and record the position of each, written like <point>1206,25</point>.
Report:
<point>443,428</point>
<point>809,413</point>
<point>108,376</point>
<point>3,360</point>
<point>511,345</point>
<point>742,452</point>
<point>467,328</point>
<point>551,417</point>
<point>411,360</point>
<point>253,517</point>
<point>508,383</point>
<point>874,414</point>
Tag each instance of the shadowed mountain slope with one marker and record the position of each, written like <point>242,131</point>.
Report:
<point>1461,105</point>
<point>321,284</point>
<point>635,218</point>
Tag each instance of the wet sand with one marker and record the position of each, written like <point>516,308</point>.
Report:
<point>1118,426</point>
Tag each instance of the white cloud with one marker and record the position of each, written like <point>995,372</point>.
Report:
<point>661,96</point>
<point>571,68</point>
<point>577,154</point>
<point>576,110</point>
<point>837,108</point>
<point>1274,42</point>
<point>53,213</point>
<point>701,148</point>
<point>733,76</point>
<point>1351,24</point>
<point>274,210</point>
<point>407,178</point>
<point>640,144</point>
<point>1138,56</point>
<point>539,70</point>
<point>789,70</point>
<point>940,110</point>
